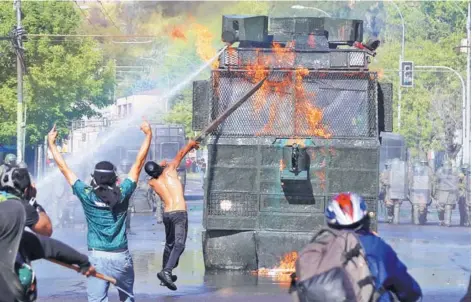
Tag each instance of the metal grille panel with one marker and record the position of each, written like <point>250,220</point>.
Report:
<point>287,58</point>
<point>332,104</point>
<point>386,98</point>
<point>233,204</point>
<point>200,105</point>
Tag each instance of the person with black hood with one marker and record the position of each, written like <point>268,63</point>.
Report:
<point>19,209</point>
<point>105,206</point>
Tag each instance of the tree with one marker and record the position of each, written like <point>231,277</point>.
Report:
<point>67,78</point>
<point>431,110</point>
<point>181,113</point>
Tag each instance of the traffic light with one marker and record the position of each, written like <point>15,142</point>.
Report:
<point>406,74</point>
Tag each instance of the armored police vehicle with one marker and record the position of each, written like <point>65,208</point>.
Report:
<point>311,131</point>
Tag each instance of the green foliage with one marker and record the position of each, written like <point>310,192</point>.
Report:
<point>67,78</point>
<point>181,113</point>
<point>70,77</point>
<point>431,110</point>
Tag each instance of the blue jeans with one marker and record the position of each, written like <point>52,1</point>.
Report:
<point>116,265</point>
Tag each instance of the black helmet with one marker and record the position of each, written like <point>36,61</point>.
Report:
<point>15,180</point>
<point>153,169</point>
<point>104,173</point>
<point>10,159</point>
<point>22,165</point>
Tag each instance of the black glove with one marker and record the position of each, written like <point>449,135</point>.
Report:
<point>84,267</point>
<point>36,205</point>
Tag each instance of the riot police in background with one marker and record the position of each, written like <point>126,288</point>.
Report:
<point>420,191</point>
<point>464,196</point>
<point>8,162</point>
<point>446,192</point>
<point>394,180</point>
<point>383,186</point>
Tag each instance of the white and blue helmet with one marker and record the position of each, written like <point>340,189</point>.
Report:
<point>346,209</point>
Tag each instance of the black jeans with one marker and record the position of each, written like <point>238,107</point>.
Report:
<point>176,225</point>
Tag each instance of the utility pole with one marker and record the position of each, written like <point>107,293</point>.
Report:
<point>19,69</point>
<point>467,147</point>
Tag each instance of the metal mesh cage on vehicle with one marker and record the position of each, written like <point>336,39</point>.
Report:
<point>286,58</point>
<point>297,103</point>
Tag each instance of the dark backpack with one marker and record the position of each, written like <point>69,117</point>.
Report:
<point>332,268</point>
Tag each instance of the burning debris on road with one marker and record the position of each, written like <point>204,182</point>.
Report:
<point>281,272</point>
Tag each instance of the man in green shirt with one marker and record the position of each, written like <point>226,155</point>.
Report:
<point>105,206</point>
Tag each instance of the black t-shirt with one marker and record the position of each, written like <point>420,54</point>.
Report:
<point>32,216</point>
<point>12,218</point>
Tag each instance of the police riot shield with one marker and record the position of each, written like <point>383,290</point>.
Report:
<point>447,188</point>
<point>420,185</point>
<point>447,181</point>
<point>397,180</point>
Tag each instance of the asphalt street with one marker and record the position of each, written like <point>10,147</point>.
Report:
<point>438,257</point>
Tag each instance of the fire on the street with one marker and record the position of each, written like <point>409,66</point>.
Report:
<point>281,272</point>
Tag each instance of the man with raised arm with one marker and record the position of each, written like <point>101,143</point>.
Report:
<point>166,183</point>
<point>105,206</point>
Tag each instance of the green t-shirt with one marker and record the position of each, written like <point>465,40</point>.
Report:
<point>106,228</point>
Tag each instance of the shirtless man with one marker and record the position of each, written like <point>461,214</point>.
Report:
<point>166,183</point>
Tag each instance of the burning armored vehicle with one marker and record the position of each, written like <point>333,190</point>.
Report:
<point>310,131</point>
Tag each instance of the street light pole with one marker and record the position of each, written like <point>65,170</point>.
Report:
<point>469,109</point>
<point>465,131</point>
<point>402,55</point>
<point>19,70</point>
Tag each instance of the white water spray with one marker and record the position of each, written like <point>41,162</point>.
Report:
<point>51,179</point>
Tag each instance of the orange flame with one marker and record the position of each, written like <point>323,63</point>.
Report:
<point>322,177</point>
<point>204,41</point>
<point>283,271</point>
<point>275,89</point>
<point>300,142</point>
<point>311,41</point>
<point>282,165</point>
<point>177,33</point>
<point>203,38</point>
<point>380,74</point>
<point>303,107</point>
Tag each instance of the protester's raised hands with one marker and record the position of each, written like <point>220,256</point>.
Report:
<point>52,135</point>
<point>145,127</point>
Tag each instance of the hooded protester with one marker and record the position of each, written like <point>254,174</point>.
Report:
<point>105,205</point>
<point>19,209</point>
<point>337,270</point>
<point>104,184</point>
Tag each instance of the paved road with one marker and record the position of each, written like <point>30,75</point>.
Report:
<point>439,258</point>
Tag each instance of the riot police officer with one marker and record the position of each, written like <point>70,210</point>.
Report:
<point>446,192</point>
<point>383,180</point>
<point>394,180</point>
<point>8,162</point>
<point>420,191</point>
<point>464,196</point>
